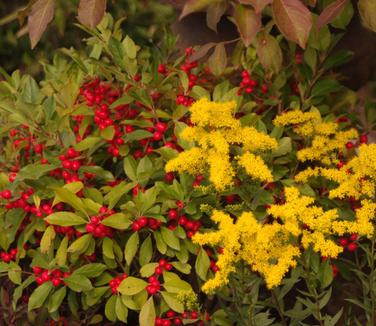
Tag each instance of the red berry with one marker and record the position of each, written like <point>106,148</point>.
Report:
<point>349,145</point>
<point>353,237</point>
<point>352,247</point>
<point>363,139</point>
<point>173,214</point>
<point>6,194</point>
<point>56,282</point>
<point>158,270</point>
<point>38,148</point>
<point>343,242</point>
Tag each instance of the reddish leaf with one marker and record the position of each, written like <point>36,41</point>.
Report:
<point>331,12</point>
<point>293,19</point>
<point>41,15</point>
<point>194,6</point>
<point>367,11</point>
<point>259,5</point>
<point>247,22</point>
<point>214,14</point>
<point>91,12</point>
<point>204,49</point>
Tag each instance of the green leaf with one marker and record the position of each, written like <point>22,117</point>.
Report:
<point>148,269</point>
<point>182,267</point>
<point>121,310</point>
<point>39,296</point>
<point>108,133</point>
<point>34,171</point>
<point>131,247</point>
<point>110,308</point>
<point>170,238</point>
<point>146,251</point>
<point>65,219</point>
<point>78,283</point>
<point>47,239</point>
<point>69,197</point>
<point>117,192</point>
<point>202,264</point>
<point>56,299</point>
<point>117,51</point>
<point>117,221</point>
<point>147,313</point>
<point>91,270</point>
<point>108,248</point>
<point>172,302</point>
<point>81,244</point>
<point>325,274</point>
<point>284,147</point>
<point>61,253</point>
<point>130,167</point>
<point>132,286</point>
<point>88,143</point>
<point>177,285</point>
<point>130,47</point>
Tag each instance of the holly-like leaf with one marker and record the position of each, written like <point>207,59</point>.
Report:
<point>293,19</point>
<point>41,15</point>
<point>117,221</point>
<point>91,12</point>
<point>248,23</point>
<point>331,12</point>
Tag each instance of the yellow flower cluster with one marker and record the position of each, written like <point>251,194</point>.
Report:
<point>214,132</point>
<point>356,179</point>
<point>272,249</point>
<point>263,247</point>
<point>327,140</point>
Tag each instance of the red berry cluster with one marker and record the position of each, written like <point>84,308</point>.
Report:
<point>163,264</point>
<point>6,257</point>
<point>144,222</point>
<point>96,228</point>
<point>190,226</point>
<point>173,318</point>
<point>115,282</point>
<point>248,84</point>
<point>349,242</point>
<point>56,276</point>
<point>154,285</point>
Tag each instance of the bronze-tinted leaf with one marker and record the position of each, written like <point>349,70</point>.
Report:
<point>259,5</point>
<point>269,52</point>
<point>367,11</point>
<point>247,22</point>
<point>41,15</point>
<point>196,5</point>
<point>331,12</point>
<point>217,62</point>
<point>214,14</point>
<point>91,12</point>
<point>293,19</point>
